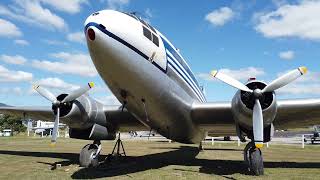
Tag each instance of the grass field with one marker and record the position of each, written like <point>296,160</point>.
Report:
<point>32,158</point>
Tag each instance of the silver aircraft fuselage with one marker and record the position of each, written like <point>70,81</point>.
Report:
<point>142,68</point>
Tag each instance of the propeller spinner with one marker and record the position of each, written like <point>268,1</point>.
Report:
<point>55,102</point>
<point>257,115</point>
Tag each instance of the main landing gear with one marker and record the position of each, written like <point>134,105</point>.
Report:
<point>253,158</point>
<point>89,155</point>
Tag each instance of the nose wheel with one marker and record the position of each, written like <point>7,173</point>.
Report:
<point>253,159</point>
<point>89,155</point>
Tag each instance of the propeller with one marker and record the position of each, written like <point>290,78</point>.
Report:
<point>56,103</point>
<point>257,116</point>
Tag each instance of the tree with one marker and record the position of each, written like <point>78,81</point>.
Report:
<point>11,122</point>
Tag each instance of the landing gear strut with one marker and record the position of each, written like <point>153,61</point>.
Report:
<point>116,152</point>
<point>253,158</point>
<point>117,146</point>
<point>89,155</point>
<point>200,148</point>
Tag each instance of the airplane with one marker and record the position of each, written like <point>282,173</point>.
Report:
<point>158,91</point>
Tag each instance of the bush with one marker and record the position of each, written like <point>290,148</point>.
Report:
<point>12,122</point>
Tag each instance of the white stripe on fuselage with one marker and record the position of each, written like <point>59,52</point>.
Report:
<point>171,64</point>
<point>184,73</point>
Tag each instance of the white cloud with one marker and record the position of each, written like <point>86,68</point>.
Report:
<point>148,13</point>
<point>56,83</point>
<point>33,12</point>
<point>15,90</point>
<point>296,20</point>
<point>77,37</point>
<point>55,42</point>
<point>287,55</point>
<point>79,64</point>
<point>8,29</point>
<point>117,4</point>
<point>308,84</point>
<point>7,75</point>
<point>17,59</point>
<point>240,74</point>
<point>220,16</point>
<point>21,42</point>
<point>108,100</point>
<point>69,6</point>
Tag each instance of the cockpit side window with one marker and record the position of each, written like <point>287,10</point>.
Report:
<point>155,40</point>
<point>147,33</point>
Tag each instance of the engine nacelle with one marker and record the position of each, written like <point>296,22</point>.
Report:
<point>86,119</point>
<point>242,106</point>
<point>96,132</point>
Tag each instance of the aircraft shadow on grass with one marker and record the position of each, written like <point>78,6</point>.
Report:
<point>185,156</point>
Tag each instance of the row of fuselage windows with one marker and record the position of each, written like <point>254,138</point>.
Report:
<point>146,32</point>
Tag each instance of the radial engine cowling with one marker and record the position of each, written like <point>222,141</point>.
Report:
<point>86,119</point>
<point>243,102</point>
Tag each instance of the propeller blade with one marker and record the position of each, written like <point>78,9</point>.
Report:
<point>285,79</point>
<point>257,124</point>
<point>77,93</point>
<point>55,128</point>
<point>45,93</point>
<point>231,81</point>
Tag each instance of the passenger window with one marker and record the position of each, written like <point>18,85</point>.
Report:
<point>147,33</point>
<point>155,40</point>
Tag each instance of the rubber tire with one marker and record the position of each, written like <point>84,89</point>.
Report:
<point>85,158</point>
<point>256,162</point>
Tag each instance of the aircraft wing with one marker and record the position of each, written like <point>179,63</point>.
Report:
<point>297,113</point>
<point>217,118</point>
<point>122,119</point>
<point>43,113</point>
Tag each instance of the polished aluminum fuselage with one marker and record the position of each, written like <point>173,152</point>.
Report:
<point>167,99</point>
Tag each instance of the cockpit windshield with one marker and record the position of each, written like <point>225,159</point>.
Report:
<point>133,15</point>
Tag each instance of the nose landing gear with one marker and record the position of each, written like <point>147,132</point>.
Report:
<point>89,155</point>
<point>253,158</point>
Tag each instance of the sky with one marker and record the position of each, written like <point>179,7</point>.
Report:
<point>42,42</point>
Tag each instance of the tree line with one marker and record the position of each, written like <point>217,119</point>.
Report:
<point>11,122</point>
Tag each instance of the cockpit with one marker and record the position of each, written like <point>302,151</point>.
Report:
<point>148,31</point>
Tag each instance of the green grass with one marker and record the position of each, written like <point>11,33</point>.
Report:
<point>31,158</point>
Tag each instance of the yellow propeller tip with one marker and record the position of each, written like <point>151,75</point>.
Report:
<point>260,145</point>
<point>214,73</point>
<point>91,84</point>
<point>303,70</point>
<point>35,87</point>
<point>53,144</point>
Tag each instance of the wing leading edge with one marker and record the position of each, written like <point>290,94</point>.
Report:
<point>297,113</point>
<point>217,118</point>
<point>123,120</point>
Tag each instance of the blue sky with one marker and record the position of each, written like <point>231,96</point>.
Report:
<point>42,39</point>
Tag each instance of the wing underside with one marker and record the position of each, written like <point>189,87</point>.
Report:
<point>217,118</point>
<point>123,120</point>
<point>297,113</point>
